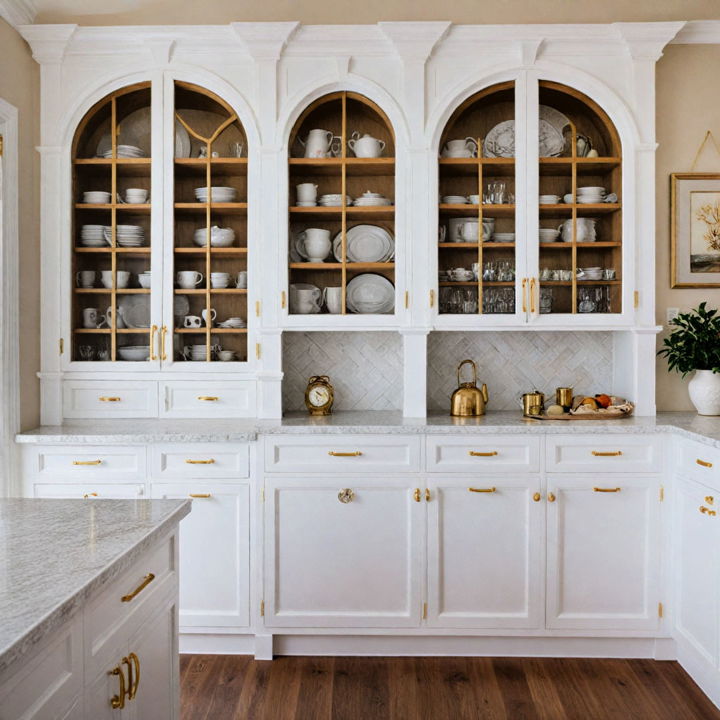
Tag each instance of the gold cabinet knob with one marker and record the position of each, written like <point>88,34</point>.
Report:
<point>551,497</point>
<point>427,494</point>
<point>346,495</point>
<point>417,495</point>
<point>537,497</point>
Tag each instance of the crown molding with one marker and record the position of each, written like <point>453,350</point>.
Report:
<point>699,32</point>
<point>264,40</point>
<point>414,40</point>
<point>646,41</point>
<point>48,43</point>
<point>18,12</point>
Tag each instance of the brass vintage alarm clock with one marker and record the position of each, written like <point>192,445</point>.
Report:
<point>319,395</point>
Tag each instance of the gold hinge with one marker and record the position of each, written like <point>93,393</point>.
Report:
<point>407,299</point>
<point>61,343</point>
<point>262,608</point>
<point>257,308</point>
<point>257,350</point>
<point>661,610</point>
<point>424,617</point>
<point>262,494</point>
<point>282,299</point>
<point>2,145</point>
<point>662,494</point>
<point>636,299</point>
<point>432,298</point>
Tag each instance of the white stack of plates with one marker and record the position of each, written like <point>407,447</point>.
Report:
<point>93,235</point>
<point>504,237</point>
<point>370,199</point>
<point>134,352</point>
<point>365,243</point>
<point>455,200</point>
<point>233,322</point>
<point>96,197</point>
<point>198,352</point>
<point>220,194</point>
<point>333,200</point>
<point>370,293</point>
<point>129,235</point>
<point>548,234</point>
<point>590,194</point>
<point>219,237</point>
<point>125,151</point>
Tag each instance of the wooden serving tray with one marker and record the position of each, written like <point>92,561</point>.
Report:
<point>584,416</point>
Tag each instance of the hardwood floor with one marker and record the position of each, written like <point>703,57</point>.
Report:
<point>226,687</point>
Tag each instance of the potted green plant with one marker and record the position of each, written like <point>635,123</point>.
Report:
<point>694,345</point>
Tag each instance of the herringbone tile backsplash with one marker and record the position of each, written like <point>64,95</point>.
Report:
<point>366,368</point>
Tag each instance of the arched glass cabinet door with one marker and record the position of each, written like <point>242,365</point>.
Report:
<point>477,249</point>
<point>341,217</point>
<point>210,251</point>
<point>580,212</point>
<point>110,313</point>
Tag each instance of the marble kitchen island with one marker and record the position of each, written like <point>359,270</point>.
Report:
<point>88,596</point>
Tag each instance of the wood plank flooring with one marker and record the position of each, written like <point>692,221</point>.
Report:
<point>230,687</point>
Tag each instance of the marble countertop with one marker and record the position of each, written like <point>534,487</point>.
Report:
<point>124,432</point>
<point>54,554</point>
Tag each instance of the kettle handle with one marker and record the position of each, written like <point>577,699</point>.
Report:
<point>474,367</point>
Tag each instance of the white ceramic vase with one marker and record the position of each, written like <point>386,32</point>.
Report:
<point>704,389</point>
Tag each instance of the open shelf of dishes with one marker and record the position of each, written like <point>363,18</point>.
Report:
<point>341,213</point>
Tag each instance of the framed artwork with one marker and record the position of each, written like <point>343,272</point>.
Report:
<point>695,230</point>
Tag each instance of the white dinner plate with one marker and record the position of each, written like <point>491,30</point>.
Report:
<point>135,310</point>
<point>370,293</point>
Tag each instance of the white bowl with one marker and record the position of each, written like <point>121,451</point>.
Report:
<point>134,352</point>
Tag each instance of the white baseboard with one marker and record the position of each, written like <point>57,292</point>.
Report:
<point>700,670</point>
<point>195,644</point>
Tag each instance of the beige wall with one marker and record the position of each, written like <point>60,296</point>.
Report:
<point>687,107</point>
<point>19,85</point>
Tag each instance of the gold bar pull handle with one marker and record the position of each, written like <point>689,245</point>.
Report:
<point>356,453</point>
<point>707,511</point>
<point>89,495</point>
<point>282,299</point>
<point>524,295</point>
<point>132,692</point>
<point>614,453</point>
<point>704,463</point>
<point>599,489</point>
<point>163,333</point>
<point>199,496</point>
<point>532,295</point>
<point>473,453</point>
<point>117,702</point>
<point>106,398</point>
<point>432,298</point>
<point>208,398</point>
<point>209,461</point>
<point>153,330</point>
<point>146,581</point>
<point>482,490</point>
<point>87,462</point>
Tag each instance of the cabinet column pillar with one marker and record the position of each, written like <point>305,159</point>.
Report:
<point>414,372</point>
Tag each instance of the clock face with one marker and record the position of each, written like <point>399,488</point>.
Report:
<point>319,395</point>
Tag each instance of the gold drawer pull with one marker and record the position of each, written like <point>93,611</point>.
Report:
<point>483,490</point>
<point>707,511</point>
<point>357,453</point>
<point>201,495</point>
<point>104,398</point>
<point>704,463</point>
<point>537,497</point>
<point>117,702</point>
<point>208,398</point>
<point>597,489</point>
<point>146,581</point>
<point>87,462</point>
<point>211,461</point>
<point>132,692</point>
<point>417,495</point>
<point>473,453</point>
<point>88,495</point>
<point>614,453</point>
<point>126,661</point>
<point>551,497</point>
<point>346,495</point>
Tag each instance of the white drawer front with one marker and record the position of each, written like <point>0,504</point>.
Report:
<point>82,462</point>
<point>699,461</point>
<point>201,460</point>
<point>605,453</point>
<point>91,399</point>
<point>342,453</point>
<point>89,491</point>
<point>483,453</point>
<point>208,399</point>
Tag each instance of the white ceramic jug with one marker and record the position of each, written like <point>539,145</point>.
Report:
<point>366,146</point>
<point>317,144</point>
<point>585,230</point>
<point>316,242</point>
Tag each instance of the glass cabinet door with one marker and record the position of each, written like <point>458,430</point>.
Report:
<point>580,211</point>
<point>111,231</point>
<point>210,253</point>
<point>477,242</point>
<point>341,255</point>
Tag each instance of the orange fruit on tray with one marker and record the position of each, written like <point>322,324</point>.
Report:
<point>603,400</point>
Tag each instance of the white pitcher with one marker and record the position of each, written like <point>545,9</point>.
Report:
<point>366,146</point>
<point>585,230</point>
<point>317,144</point>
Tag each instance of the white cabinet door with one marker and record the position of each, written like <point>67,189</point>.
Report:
<point>602,555</point>
<point>486,552</point>
<point>330,563</point>
<point>214,553</point>
<point>696,616</point>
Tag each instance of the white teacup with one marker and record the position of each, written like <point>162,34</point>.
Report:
<point>188,278</point>
<point>192,321</point>
<point>242,279</point>
<point>90,317</point>
<point>144,279</point>
<point>465,147</point>
<point>332,298</point>
<point>85,278</point>
<point>306,192</point>
<point>122,277</point>
<point>213,315</point>
<point>219,279</point>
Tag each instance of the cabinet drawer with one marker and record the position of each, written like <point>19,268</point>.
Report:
<point>80,463</point>
<point>342,453</point>
<point>483,453</point>
<point>121,606</point>
<point>91,399</point>
<point>699,461</point>
<point>201,460</point>
<point>208,399</point>
<point>89,491</point>
<point>606,453</point>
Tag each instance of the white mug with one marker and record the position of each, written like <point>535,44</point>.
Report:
<point>213,315</point>
<point>90,317</point>
<point>306,192</point>
<point>242,278</point>
<point>85,278</point>
<point>189,278</point>
<point>144,279</point>
<point>122,277</point>
<point>332,298</point>
<point>219,279</point>
<point>120,323</point>
<point>192,321</point>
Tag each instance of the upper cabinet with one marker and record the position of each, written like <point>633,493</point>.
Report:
<point>341,254</point>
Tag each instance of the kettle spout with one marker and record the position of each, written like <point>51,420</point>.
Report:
<point>485,392</point>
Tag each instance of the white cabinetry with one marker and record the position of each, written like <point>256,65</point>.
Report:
<point>485,552</point>
<point>343,552</point>
<point>602,559</point>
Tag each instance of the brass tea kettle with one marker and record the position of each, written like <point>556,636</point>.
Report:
<point>468,400</point>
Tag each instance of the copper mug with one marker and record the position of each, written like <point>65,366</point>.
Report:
<point>533,403</point>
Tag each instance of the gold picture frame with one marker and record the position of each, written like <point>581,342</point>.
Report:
<point>695,230</point>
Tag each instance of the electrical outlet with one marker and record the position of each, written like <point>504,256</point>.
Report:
<point>671,314</point>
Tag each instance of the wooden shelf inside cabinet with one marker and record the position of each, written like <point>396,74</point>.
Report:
<point>106,331</point>
<point>224,208</point>
<point>492,167</point>
<point>137,209</point>
<point>583,209</point>
<point>585,166</point>
<point>123,162</point>
<point>350,266</point>
<point>474,283</point>
<point>569,245</point>
<point>474,246</point>
<point>378,212</point>
<point>214,251</point>
<point>473,210</point>
<point>120,250</point>
<point>203,330</point>
<point>92,291</point>
<point>333,166</point>
<point>224,166</point>
<point>584,283</point>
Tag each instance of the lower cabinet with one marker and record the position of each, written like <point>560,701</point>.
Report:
<point>486,552</point>
<point>602,554</point>
<point>697,567</point>
<point>343,552</point>
<point>89,491</point>
<point>214,553</point>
